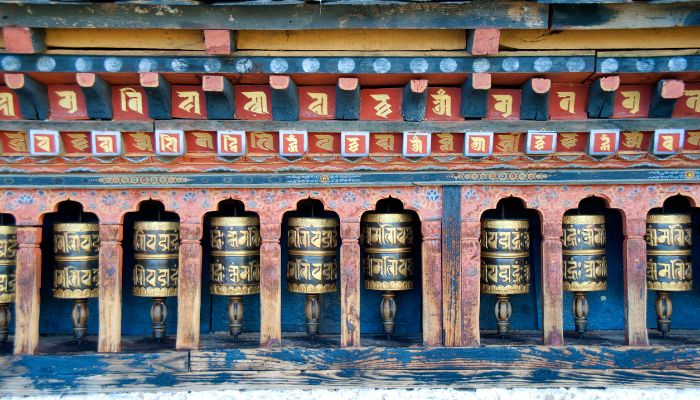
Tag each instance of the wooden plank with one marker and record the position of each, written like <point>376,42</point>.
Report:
<point>80,126</point>
<point>432,283</point>
<point>23,40</point>
<point>189,286</point>
<point>624,16</point>
<point>451,266</point>
<point>88,364</point>
<point>483,41</point>
<point>28,281</point>
<point>498,126</point>
<point>591,357</point>
<point>647,62</point>
<point>155,39</point>
<point>110,276</point>
<point>634,255</point>
<point>219,41</point>
<point>552,278</point>
<point>377,15</point>
<point>351,270</point>
<point>270,282</point>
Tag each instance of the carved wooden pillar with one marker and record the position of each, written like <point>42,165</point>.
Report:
<point>552,279</point>
<point>28,281</point>
<point>634,255</point>
<point>350,284</point>
<point>270,282</point>
<point>432,283</point>
<point>471,287</point>
<point>110,304</point>
<point>189,286</point>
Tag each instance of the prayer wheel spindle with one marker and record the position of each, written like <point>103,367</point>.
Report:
<point>156,262</point>
<point>312,262</point>
<point>235,263</point>
<point>669,242</point>
<point>505,265</point>
<point>76,277</point>
<point>8,263</point>
<point>387,239</point>
<point>584,263</point>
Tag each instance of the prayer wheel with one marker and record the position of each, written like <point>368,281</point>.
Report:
<point>156,261</point>
<point>505,264</point>
<point>8,262</point>
<point>584,263</point>
<point>312,262</point>
<point>76,277</point>
<point>387,240</point>
<point>669,242</point>
<point>235,263</point>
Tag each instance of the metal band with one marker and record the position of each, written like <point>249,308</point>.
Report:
<point>490,254</point>
<point>224,253</point>
<point>387,217</point>
<point>670,286</point>
<point>505,223</point>
<point>668,252</point>
<point>8,229</point>
<point>584,219</point>
<point>234,290</point>
<point>585,286</point>
<point>7,297</point>
<point>76,258</point>
<point>235,221</point>
<point>81,227</point>
<point>583,252</point>
<point>370,250</point>
<point>139,256</point>
<point>155,292</point>
<point>312,222</point>
<point>668,219</point>
<point>388,285</point>
<point>311,288</point>
<point>505,289</point>
<point>8,262</point>
<point>76,293</point>
<point>321,253</point>
<point>157,225</point>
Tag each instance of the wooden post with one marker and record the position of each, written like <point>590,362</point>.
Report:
<point>98,95</point>
<point>28,282</point>
<point>451,266</point>
<point>471,281</point>
<point>110,276</point>
<point>634,250</point>
<point>270,283</point>
<point>415,94</point>
<point>432,283</point>
<point>552,279</point>
<point>189,286</point>
<point>350,284</point>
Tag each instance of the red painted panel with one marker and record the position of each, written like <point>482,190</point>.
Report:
<point>66,102</point>
<point>138,143</point>
<point>253,102</point>
<point>129,103</point>
<point>14,143</point>
<point>572,142</point>
<point>385,143</point>
<point>316,102</point>
<point>9,104</point>
<point>324,143</point>
<point>568,101</point>
<point>632,101</point>
<point>447,143</point>
<point>443,104</point>
<point>188,102</point>
<point>381,104</point>
<point>76,143</point>
<point>200,141</point>
<point>263,143</point>
<point>503,104</point>
<point>689,104</point>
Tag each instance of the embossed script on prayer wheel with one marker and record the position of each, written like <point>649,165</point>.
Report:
<point>669,269</point>
<point>387,239</point>
<point>235,263</point>
<point>584,262</point>
<point>76,252</point>
<point>312,255</point>
<point>156,258</point>
<point>505,251</point>
<point>8,263</point>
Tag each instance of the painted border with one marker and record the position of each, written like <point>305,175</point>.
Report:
<point>344,134</point>
<point>591,142</point>
<point>659,132</point>
<point>243,143</point>
<point>530,133</point>
<point>117,140</point>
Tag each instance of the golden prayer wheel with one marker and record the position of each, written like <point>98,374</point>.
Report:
<point>235,263</point>
<point>585,266</point>
<point>505,263</point>
<point>669,269</point>
<point>312,262</point>
<point>156,261</point>
<point>8,262</point>
<point>77,256</point>
<point>387,240</point>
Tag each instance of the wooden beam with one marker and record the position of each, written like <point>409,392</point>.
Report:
<point>475,92</point>
<point>28,282</point>
<point>33,99</point>
<point>664,96</point>
<point>23,40</point>
<point>189,286</point>
<point>634,256</point>
<point>350,280</point>
<point>98,95</point>
<point>470,234</point>
<point>110,276</point>
<point>601,97</point>
<point>624,16</point>
<point>431,269</point>
<point>263,16</point>
<point>534,103</point>
<point>552,277</point>
<point>483,41</point>
<point>451,266</point>
<point>157,94</point>
<point>219,96</point>
<point>270,282</point>
<point>285,98</point>
<point>414,96</point>
<point>219,41</point>
<point>347,99</point>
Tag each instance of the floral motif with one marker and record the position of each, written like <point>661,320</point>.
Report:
<point>25,199</point>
